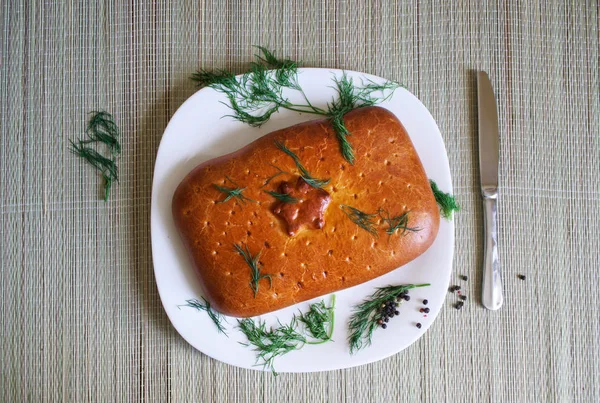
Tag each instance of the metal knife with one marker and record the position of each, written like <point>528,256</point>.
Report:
<point>492,297</point>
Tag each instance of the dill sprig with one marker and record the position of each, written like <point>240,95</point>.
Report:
<point>255,266</point>
<point>236,192</point>
<point>283,197</point>
<point>351,97</point>
<point>304,174</point>
<point>363,321</point>
<point>101,129</point>
<point>269,58</point>
<point>204,305</point>
<point>360,218</point>
<point>396,223</point>
<point>271,343</point>
<point>446,201</point>
<point>256,95</point>
<point>319,321</point>
<point>274,342</point>
<point>270,178</point>
<point>207,78</point>
<point>285,69</point>
<point>106,166</point>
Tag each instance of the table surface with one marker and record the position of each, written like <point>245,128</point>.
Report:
<point>80,314</point>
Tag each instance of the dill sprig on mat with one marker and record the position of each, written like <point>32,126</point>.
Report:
<point>366,315</point>
<point>256,95</point>
<point>446,201</point>
<point>313,327</point>
<point>204,305</point>
<point>255,266</point>
<point>308,178</point>
<point>101,129</point>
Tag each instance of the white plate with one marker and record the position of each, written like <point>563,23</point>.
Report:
<point>196,133</point>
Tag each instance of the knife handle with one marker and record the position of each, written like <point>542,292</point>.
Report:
<point>491,297</point>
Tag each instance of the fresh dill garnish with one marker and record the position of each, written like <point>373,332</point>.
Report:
<point>271,343</point>
<point>285,69</point>
<point>269,58</point>
<point>255,266</point>
<point>396,223</point>
<point>304,174</point>
<point>283,197</point>
<point>446,201</point>
<point>360,218</point>
<point>319,320</point>
<point>270,178</point>
<point>366,315</point>
<point>352,97</point>
<point>236,192</point>
<point>101,129</point>
<point>207,78</point>
<point>256,95</point>
<point>204,305</point>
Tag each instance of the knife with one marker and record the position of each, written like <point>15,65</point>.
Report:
<point>491,297</point>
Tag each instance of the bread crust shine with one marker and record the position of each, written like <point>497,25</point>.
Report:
<point>387,174</point>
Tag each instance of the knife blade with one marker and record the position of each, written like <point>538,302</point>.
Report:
<point>489,157</point>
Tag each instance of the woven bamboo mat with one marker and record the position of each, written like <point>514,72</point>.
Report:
<point>80,315</point>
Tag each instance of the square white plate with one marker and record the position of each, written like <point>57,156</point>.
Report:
<point>198,132</point>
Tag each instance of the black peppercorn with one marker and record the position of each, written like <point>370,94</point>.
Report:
<point>456,288</point>
<point>463,297</point>
<point>396,313</point>
<point>465,278</point>
<point>521,276</point>
<point>418,325</point>
<point>458,305</point>
<point>406,297</point>
<point>384,326</point>
<point>426,310</point>
<point>386,320</point>
<point>425,302</point>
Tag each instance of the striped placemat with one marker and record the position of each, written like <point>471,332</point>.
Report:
<point>80,315</point>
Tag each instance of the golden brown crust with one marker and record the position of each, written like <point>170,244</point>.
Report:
<point>387,174</point>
